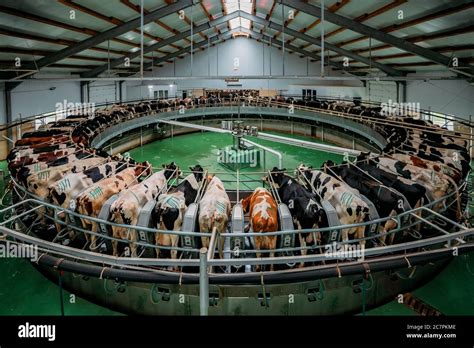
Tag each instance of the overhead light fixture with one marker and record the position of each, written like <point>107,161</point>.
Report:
<point>237,34</point>
<point>150,86</point>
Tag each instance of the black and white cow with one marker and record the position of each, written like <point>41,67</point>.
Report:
<point>304,207</point>
<point>350,208</point>
<point>387,202</point>
<point>170,208</point>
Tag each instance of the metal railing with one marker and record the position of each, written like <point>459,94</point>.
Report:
<point>30,204</point>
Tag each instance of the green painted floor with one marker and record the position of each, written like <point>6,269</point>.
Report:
<point>24,291</point>
<point>203,149</point>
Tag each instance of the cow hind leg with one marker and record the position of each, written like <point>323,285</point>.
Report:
<point>133,244</point>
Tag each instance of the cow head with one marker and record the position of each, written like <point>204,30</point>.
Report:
<point>198,172</point>
<point>143,169</point>
<point>171,169</point>
<point>327,164</point>
<point>304,170</point>
<point>278,176</point>
<point>246,203</point>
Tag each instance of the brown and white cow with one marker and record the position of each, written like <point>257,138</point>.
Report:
<point>19,152</point>
<point>90,201</point>
<point>350,208</point>
<point>126,209</point>
<point>53,139</point>
<point>214,211</point>
<point>39,182</point>
<point>62,191</point>
<point>263,213</point>
<point>39,157</point>
<point>26,171</point>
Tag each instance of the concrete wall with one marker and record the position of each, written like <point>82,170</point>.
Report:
<point>454,97</point>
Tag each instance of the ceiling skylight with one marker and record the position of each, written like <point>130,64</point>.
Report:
<point>236,5</point>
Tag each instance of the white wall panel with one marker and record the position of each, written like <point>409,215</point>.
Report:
<point>455,97</point>
<point>35,97</point>
<point>103,92</point>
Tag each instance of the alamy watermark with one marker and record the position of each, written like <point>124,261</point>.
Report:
<point>249,157</point>
<point>66,108</point>
<point>16,250</point>
<point>344,251</point>
<point>400,109</point>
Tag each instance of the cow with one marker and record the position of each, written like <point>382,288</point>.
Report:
<point>413,192</point>
<point>404,159</point>
<point>304,207</point>
<point>14,166</point>
<point>126,209</point>
<point>90,201</point>
<point>214,211</point>
<point>436,183</point>
<point>170,208</point>
<point>456,159</point>
<point>350,208</point>
<point>54,139</point>
<point>64,190</point>
<point>24,172</point>
<point>263,212</point>
<point>388,203</point>
<point>39,182</point>
<point>18,152</point>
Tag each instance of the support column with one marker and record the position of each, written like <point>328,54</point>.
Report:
<point>403,87</point>
<point>84,92</point>
<point>9,114</point>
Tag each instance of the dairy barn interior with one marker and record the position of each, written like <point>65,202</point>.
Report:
<point>236,157</point>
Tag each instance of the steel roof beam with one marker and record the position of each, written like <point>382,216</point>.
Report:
<point>317,41</point>
<point>198,45</point>
<point>454,6</point>
<point>259,36</point>
<point>113,63</point>
<point>402,44</point>
<point>106,35</point>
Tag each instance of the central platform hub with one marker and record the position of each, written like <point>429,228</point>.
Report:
<point>240,154</point>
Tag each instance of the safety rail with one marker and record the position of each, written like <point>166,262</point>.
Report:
<point>426,114</point>
<point>242,102</point>
<point>30,204</point>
